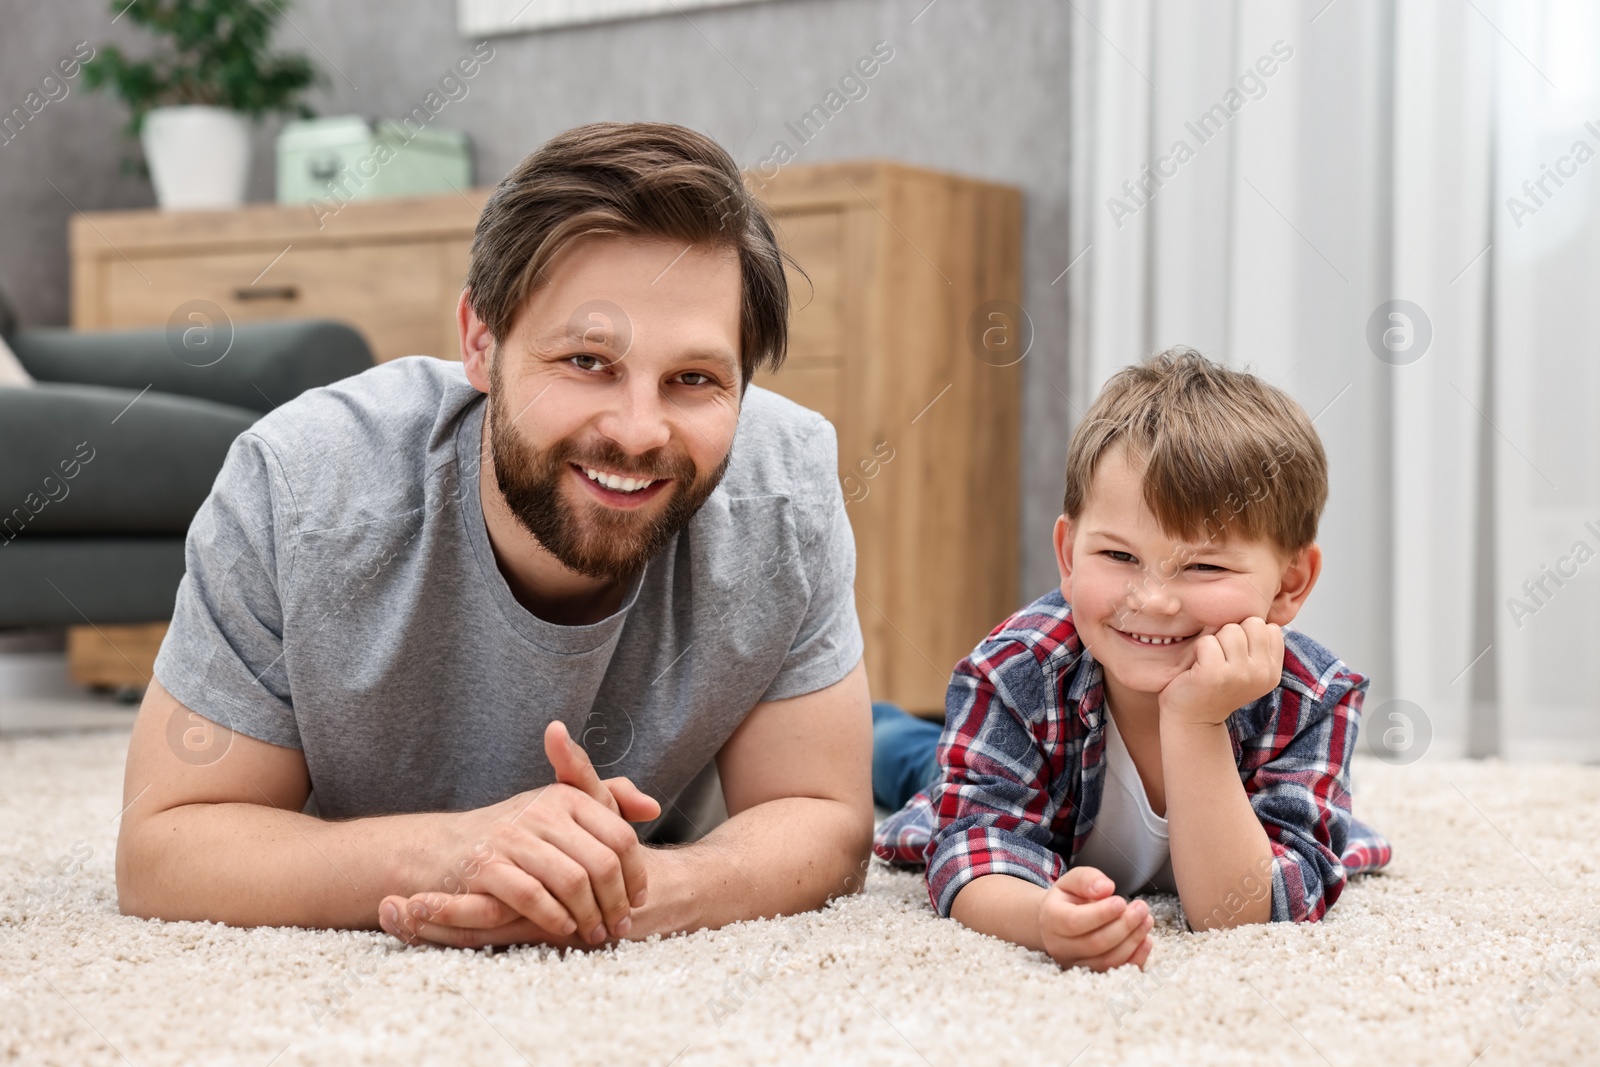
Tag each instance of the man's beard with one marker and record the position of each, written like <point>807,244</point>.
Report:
<point>592,539</point>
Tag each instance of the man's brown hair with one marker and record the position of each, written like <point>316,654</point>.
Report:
<point>633,179</point>
<point>1224,453</point>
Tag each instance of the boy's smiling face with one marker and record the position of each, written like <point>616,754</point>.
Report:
<point>1141,597</point>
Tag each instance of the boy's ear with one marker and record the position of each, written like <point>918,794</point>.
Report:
<point>1063,542</point>
<point>1299,578</point>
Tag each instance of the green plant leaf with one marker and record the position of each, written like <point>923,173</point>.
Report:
<point>212,52</point>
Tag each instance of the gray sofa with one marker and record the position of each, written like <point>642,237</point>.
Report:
<point>104,462</point>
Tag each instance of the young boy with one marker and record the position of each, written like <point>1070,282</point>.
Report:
<point>1150,725</point>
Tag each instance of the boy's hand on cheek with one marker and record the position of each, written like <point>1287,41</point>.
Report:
<point>1083,925</point>
<point>1238,664</point>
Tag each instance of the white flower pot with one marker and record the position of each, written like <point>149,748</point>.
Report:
<point>199,156</point>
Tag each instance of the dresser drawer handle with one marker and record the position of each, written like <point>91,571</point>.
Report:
<point>267,292</point>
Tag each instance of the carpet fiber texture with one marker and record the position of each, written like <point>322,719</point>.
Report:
<point>1478,945</point>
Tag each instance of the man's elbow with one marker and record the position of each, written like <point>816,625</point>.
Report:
<point>139,893</point>
<point>853,848</point>
<point>133,906</point>
<point>133,894</point>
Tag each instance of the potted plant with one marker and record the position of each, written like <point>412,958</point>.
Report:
<point>191,97</point>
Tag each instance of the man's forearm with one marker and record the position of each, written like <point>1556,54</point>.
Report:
<point>1218,845</point>
<point>777,858</point>
<point>255,865</point>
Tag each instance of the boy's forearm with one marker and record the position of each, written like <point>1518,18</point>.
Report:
<point>777,858</point>
<point>255,865</point>
<point>1218,845</point>
<point>1002,906</point>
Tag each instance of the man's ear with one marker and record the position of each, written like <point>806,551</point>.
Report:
<point>1300,576</point>
<point>476,342</point>
<point>1063,542</point>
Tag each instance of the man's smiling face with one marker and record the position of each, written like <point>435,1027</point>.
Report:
<point>1140,597</point>
<point>615,397</point>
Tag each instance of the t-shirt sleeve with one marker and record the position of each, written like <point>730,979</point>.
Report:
<point>828,643</point>
<point>223,656</point>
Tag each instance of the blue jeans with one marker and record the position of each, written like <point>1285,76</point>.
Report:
<point>903,761</point>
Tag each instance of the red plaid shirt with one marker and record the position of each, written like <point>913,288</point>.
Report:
<point>1023,754</point>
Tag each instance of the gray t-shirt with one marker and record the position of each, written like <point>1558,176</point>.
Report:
<point>342,598</point>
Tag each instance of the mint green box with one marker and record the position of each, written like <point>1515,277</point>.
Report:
<point>348,158</point>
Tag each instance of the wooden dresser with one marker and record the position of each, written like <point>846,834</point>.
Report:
<point>391,268</point>
<point>907,337</point>
<point>914,274</point>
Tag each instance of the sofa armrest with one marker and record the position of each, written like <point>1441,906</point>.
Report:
<point>88,460</point>
<point>266,364</point>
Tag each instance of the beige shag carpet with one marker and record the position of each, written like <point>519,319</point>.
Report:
<point>1478,946</point>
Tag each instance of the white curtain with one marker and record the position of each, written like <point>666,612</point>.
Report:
<point>1320,193</point>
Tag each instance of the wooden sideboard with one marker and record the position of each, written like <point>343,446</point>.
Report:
<point>911,273</point>
<point>902,261</point>
<point>391,268</point>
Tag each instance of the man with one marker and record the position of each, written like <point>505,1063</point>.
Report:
<point>434,613</point>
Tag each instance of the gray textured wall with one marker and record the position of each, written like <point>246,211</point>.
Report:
<point>976,86</point>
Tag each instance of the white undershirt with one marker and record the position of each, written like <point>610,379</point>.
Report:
<point>1129,841</point>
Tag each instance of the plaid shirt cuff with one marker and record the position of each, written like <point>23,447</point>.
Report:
<point>958,856</point>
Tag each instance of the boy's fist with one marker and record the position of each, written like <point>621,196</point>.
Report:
<point>1083,925</point>
<point>1240,663</point>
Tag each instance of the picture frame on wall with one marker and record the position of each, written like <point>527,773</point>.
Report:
<point>481,18</point>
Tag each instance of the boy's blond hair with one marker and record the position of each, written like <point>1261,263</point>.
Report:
<point>1224,453</point>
